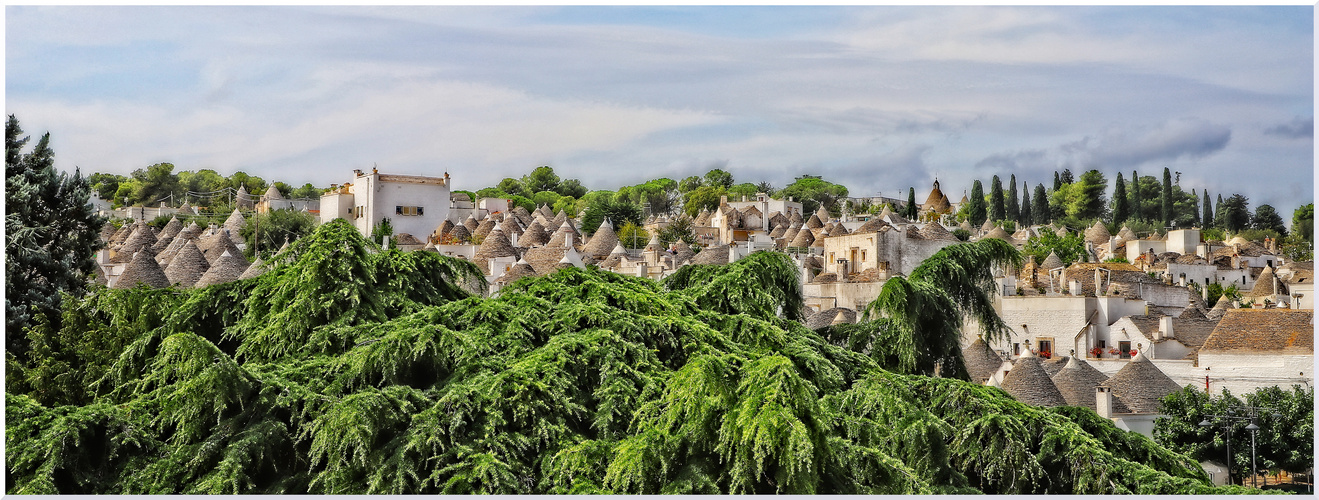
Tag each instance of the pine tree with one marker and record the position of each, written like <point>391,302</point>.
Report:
<point>1040,212</point>
<point>975,206</point>
<point>1057,181</point>
<point>997,211</point>
<point>1120,209</point>
<point>1208,219</point>
<point>1026,218</point>
<point>51,234</point>
<point>1166,198</point>
<point>1014,209</point>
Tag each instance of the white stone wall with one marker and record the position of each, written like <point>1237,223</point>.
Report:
<point>850,295</point>
<point>1243,373</point>
<point>1183,241</point>
<point>336,205</point>
<point>1137,247</point>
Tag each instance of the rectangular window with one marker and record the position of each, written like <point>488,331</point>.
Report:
<point>1125,348</point>
<point>404,210</point>
<point>1046,348</point>
<point>1016,348</point>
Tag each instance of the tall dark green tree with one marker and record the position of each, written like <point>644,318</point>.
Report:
<point>1025,214</point>
<point>1208,219</point>
<point>1136,201</point>
<point>1266,217</point>
<point>1066,176</point>
<point>1041,211</point>
<point>51,235</point>
<point>1121,210</point>
<point>997,211</point>
<point>1166,198</point>
<point>1303,222</point>
<point>1195,209</point>
<point>1057,181</point>
<point>1236,213</point>
<point>1218,212</point>
<point>975,205</point>
<point>909,211</point>
<point>1014,209</point>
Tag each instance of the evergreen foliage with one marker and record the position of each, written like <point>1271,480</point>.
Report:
<point>1166,198</point>
<point>975,205</point>
<point>51,235</point>
<point>1121,209</point>
<point>1208,218</point>
<point>351,369</point>
<point>910,210</point>
<point>1041,212</point>
<point>997,210</point>
<point>1026,217</point>
<point>1013,207</point>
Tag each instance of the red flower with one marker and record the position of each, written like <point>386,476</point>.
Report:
<point>1133,352</point>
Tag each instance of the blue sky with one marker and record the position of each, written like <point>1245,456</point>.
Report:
<point>875,98</point>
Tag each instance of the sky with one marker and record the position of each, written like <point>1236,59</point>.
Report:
<point>878,99</point>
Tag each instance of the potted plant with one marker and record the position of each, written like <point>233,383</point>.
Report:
<point>1046,354</point>
<point>1096,352</point>
<point>1114,351</point>
<point>1133,353</point>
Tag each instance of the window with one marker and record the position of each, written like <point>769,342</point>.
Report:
<point>1046,348</point>
<point>402,210</point>
<point>1125,348</point>
<point>1016,348</point>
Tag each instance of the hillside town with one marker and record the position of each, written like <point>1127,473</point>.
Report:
<point>1111,336</point>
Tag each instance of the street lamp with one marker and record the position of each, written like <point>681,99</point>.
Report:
<point>1226,420</point>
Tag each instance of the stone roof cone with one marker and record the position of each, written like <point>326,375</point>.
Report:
<point>228,267</point>
<point>484,229</point>
<point>1077,381</point>
<point>170,230</point>
<point>243,199</point>
<point>870,226</point>
<point>1060,232</point>
<point>796,218</point>
<point>778,231</point>
<point>176,243</point>
<point>1125,234</point>
<point>187,266</point>
<point>981,361</point>
<point>934,231</point>
<point>1097,234</point>
<point>803,239</point>
<point>1051,262</point>
<point>235,222</point>
<point>535,235</point>
<point>461,234</point>
<point>838,230</point>
<point>1140,385</point>
<point>257,268</point>
<point>987,226</point>
<point>602,242</point>
<point>494,245</point>
<point>223,243</point>
<point>814,222</point>
<point>654,244</point>
<point>712,255</point>
<point>965,226</point>
<point>471,224</point>
<point>443,229</point>
<point>273,193</point>
<point>519,270</point>
<point>1030,384</point>
<point>683,254</point>
<point>1264,286</point>
<point>511,226</point>
<point>107,232</point>
<point>122,234</point>
<point>142,238</point>
<point>141,269</point>
<point>559,219</point>
<point>998,233</point>
<point>791,233</point>
<point>823,214</point>
<point>937,201</point>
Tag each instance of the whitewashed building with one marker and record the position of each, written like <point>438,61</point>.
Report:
<point>414,204</point>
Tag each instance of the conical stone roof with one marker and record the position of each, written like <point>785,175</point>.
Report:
<point>520,270</point>
<point>108,232</point>
<point>987,226</point>
<point>235,222</point>
<point>1030,384</point>
<point>471,224</point>
<point>796,218</point>
<point>791,233</point>
<point>814,222</point>
<point>823,214</point>
<point>1061,232</point>
<point>870,226</point>
<point>838,230</point>
<point>1077,381</point>
<point>1054,365</point>
<point>778,231</point>
<point>167,254</point>
<point>965,226</point>
<point>494,245</point>
<point>712,255</point>
<point>122,234</point>
<point>273,193</point>
<point>1051,262</point>
<point>228,267</point>
<point>1263,284</point>
<point>535,235</point>
<point>981,361</point>
<point>1125,234</point>
<point>257,268</point>
<point>484,228</point>
<point>602,242</point>
<point>559,219</point>
<point>142,238</point>
<point>654,244</point>
<point>511,226</point>
<point>934,231</point>
<point>170,230</point>
<point>803,239</point>
<point>243,199</point>
<point>187,266</point>
<point>522,215</point>
<point>1140,385</point>
<point>778,219</point>
<point>141,269</point>
<point>444,228</point>
<point>222,244</point>
<point>461,234</point>
<point>1097,234</point>
<point>683,255</point>
<point>998,234</point>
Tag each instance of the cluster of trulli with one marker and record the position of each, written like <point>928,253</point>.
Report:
<point>179,256</point>
<point>654,259</point>
<point>1135,389</point>
<point>518,241</point>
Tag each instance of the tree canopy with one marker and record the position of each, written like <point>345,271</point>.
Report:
<point>350,369</point>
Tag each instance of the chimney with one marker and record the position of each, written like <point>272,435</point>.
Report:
<point>723,200</point>
<point>1075,287</point>
<point>1099,290</point>
<point>641,269</point>
<point>1104,401</point>
<point>1165,327</point>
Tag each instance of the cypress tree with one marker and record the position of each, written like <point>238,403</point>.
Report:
<point>1025,206</point>
<point>1120,209</point>
<point>1218,212</point>
<point>975,207</point>
<point>1195,209</point>
<point>1166,197</point>
<point>1014,209</point>
<point>1040,211</point>
<point>910,211</point>
<point>997,211</point>
<point>52,235</point>
<point>1208,219</point>
<point>1057,181</point>
<point>1137,209</point>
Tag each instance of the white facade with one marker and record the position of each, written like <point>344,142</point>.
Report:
<point>414,204</point>
<point>768,206</point>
